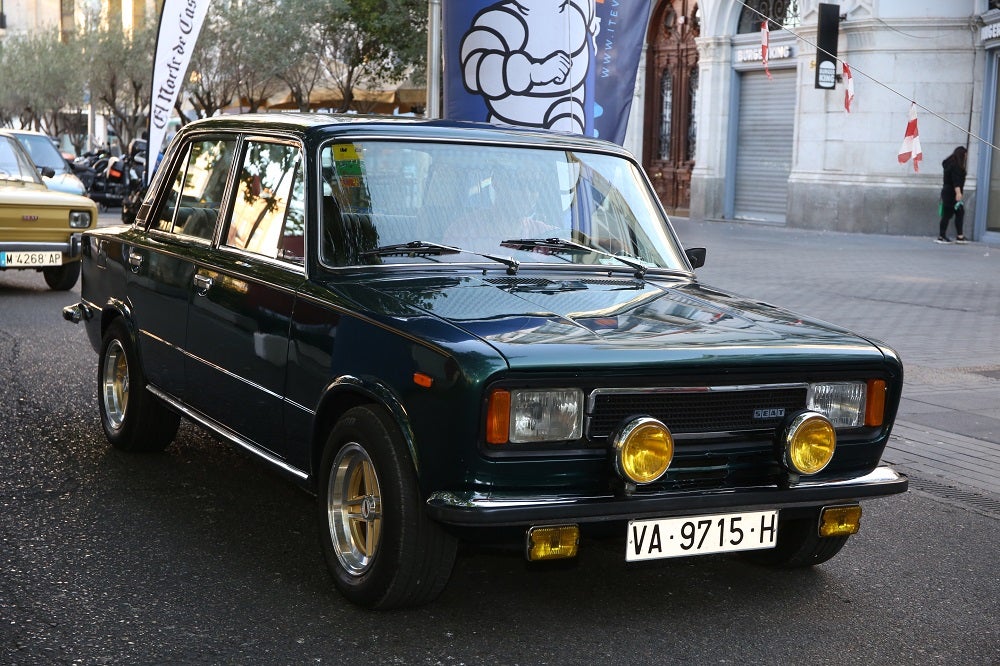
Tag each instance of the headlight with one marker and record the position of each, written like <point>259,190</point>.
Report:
<point>522,416</point>
<point>810,441</point>
<point>79,219</point>
<point>643,450</point>
<point>841,402</point>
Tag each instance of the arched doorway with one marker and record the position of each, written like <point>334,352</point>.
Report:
<point>671,87</point>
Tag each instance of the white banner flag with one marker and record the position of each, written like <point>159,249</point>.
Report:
<point>180,24</point>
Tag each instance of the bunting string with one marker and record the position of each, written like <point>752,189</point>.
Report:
<point>855,70</point>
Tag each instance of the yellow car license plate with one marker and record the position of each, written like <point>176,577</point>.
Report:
<point>700,535</point>
<point>27,259</point>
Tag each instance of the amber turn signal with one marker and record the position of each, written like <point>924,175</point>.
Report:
<point>875,402</point>
<point>498,417</point>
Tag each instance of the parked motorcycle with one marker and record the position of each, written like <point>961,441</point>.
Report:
<point>118,177</point>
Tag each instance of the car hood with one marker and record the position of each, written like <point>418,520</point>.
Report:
<point>537,322</point>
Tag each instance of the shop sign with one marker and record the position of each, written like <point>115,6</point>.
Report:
<point>988,32</point>
<point>754,54</point>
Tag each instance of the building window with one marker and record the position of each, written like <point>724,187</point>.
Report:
<point>666,113</point>
<point>692,113</point>
<point>783,14</point>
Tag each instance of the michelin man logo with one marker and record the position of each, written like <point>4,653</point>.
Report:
<point>511,56</point>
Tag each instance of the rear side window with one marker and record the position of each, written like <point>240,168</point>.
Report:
<point>192,204</point>
<point>269,206</point>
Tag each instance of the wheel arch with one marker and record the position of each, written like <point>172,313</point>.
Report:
<point>116,309</point>
<point>347,392</point>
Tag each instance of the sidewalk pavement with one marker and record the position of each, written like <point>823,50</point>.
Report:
<point>937,305</point>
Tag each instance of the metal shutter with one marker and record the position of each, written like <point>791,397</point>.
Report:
<point>764,145</point>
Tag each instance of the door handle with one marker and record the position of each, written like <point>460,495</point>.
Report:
<point>202,283</point>
<point>134,260</point>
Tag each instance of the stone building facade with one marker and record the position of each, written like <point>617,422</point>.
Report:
<point>722,140</point>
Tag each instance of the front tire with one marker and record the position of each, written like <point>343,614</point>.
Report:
<point>799,545</point>
<point>133,418</point>
<point>62,278</point>
<point>382,549</point>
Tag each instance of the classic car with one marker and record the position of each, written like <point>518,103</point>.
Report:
<point>39,229</point>
<point>43,153</point>
<point>455,331</point>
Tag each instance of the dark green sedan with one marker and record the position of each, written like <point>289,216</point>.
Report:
<point>452,331</point>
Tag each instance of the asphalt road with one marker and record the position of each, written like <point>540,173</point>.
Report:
<point>199,556</point>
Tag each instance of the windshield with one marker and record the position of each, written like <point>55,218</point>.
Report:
<point>42,152</point>
<point>14,164</point>
<point>576,207</point>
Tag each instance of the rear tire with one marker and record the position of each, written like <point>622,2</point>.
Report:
<point>382,549</point>
<point>62,278</point>
<point>799,545</point>
<point>133,418</point>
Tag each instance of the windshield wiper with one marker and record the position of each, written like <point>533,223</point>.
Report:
<point>562,244</point>
<point>415,248</point>
<point>419,248</point>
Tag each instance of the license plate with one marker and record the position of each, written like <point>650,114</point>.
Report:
<point>19,259</point>
<point>700,535</point>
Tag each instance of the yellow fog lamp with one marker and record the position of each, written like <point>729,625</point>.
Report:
<point>809,442</point>
<point>554,542</point>
<point>643,450</point>
<point>837,521</point>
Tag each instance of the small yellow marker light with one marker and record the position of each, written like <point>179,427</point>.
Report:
<point>554,542</point>
<point>421,379</point>
<point>840,520</point>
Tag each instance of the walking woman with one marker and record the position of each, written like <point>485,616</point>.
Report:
<point>951,195</point>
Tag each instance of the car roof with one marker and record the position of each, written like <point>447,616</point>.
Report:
<point>320,126</point>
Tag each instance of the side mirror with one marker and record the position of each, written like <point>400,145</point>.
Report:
<point>696,255</point>
<point>47,172</point>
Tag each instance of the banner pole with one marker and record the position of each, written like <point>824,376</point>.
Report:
<point>433,109</point>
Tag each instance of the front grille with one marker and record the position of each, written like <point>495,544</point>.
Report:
<point>725,409</point>
<point>731,429</point>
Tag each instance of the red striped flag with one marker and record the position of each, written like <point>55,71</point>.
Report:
<point>911,142</point>
<point>765,41</point>
<point>849,90</point>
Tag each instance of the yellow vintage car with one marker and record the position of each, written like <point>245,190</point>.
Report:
<point>39,228</point>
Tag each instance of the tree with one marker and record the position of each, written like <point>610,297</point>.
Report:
<point>120,69</point>
<point>213,81</point>
<point>41,82</point>
<point>373,41</point>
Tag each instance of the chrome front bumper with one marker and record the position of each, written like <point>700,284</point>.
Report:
<point>70,247</point>
<point>496,510</point>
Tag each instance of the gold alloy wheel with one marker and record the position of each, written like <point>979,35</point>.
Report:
<point>114,384</point>
<point>354,509</point>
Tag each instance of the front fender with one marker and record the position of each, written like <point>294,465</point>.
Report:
<point>348,391</point>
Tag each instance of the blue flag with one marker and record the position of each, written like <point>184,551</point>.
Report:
<point>566,65</point>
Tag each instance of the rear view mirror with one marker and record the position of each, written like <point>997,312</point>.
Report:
<point>696,255</point>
